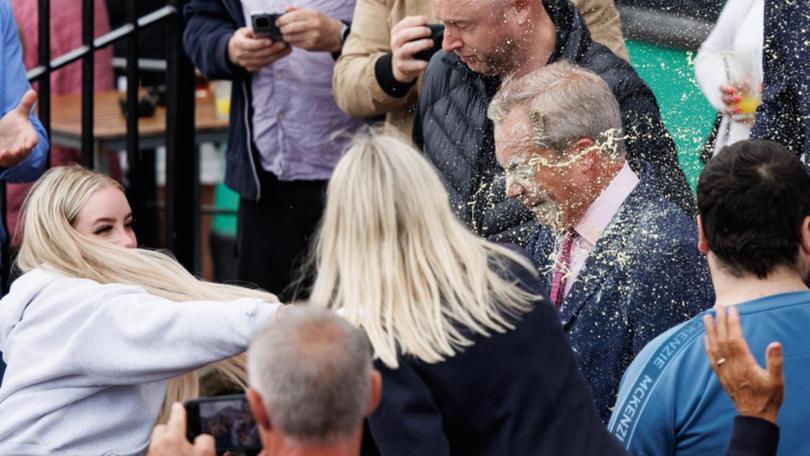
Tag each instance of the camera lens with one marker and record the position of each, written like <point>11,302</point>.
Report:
<point>262,22</point>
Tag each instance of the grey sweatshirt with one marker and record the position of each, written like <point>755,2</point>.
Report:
<point>88,363</point>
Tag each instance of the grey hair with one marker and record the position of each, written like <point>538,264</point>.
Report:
<point>565,103</point>
<point>313,371</point>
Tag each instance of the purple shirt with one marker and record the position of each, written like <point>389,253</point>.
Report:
<point>296,124</point>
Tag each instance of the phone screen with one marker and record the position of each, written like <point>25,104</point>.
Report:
<point>227,419</point>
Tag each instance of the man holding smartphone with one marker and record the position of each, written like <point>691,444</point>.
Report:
<point>283,119</point>
<point>311,385</point>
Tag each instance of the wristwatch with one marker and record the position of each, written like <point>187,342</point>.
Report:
<point>344,32</point>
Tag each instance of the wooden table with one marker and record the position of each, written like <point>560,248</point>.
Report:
<point>109,123</point>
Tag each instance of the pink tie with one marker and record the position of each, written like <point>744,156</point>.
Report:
<point>561,269</point>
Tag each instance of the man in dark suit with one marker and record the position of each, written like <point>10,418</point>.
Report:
<point>618,259</point>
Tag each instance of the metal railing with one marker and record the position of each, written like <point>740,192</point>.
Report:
<point>181,228</point>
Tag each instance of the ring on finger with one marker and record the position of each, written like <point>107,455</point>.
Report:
<point>720,362</point>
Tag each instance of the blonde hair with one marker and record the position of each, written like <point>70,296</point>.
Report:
<point>392,255</point>
<point>49,239</point>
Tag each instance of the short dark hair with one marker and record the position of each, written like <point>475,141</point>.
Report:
<point>752,198</point>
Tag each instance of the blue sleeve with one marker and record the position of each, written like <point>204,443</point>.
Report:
<point>15,84</point>
<point>209,27</point>
<point>407,422</point>
<point>643,417</point>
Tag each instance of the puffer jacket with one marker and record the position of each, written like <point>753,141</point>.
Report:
<point>452,128</point>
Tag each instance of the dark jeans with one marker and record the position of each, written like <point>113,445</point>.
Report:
<point>274,234</point>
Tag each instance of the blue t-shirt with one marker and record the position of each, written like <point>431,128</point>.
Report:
<point>671,403</point>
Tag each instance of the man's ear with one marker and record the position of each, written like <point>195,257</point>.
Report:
<point>805,236</point>
<point>590,156</point>
<point>703,244</point>
<point>375,392</point>
<point>257,408</point>
<point>522,10</point>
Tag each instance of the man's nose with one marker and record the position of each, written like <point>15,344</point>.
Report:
<point>451,41</point>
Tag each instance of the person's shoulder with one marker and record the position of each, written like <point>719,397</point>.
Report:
<point>657,215</point>
<point>650,383</point>
<point>619,75</point>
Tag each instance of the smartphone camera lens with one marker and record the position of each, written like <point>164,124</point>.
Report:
<point>262,22</point>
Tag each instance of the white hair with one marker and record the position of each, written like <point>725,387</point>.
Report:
<point>564,103</point>
<point>313,371</point>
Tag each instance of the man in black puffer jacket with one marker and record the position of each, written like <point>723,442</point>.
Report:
<point>488,40</point>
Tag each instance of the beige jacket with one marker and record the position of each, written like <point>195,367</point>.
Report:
<point>355,86</point>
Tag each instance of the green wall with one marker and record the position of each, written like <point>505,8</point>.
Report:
<point>686,113</point>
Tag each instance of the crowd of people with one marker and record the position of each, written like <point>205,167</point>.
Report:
<point>511,262</point>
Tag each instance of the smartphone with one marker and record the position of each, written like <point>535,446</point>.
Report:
<point>264,25</point>
<point>228,420</point>
<point>437,35</point>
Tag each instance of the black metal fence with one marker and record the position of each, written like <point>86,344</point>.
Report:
<point>181,228</point>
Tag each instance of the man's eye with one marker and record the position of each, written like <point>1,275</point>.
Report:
<point>103,229</point>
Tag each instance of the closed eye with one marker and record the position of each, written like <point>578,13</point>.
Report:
<point>102,229</point>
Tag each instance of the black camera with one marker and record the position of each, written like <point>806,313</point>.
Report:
<point>264,25</point>
<point>437,35</point>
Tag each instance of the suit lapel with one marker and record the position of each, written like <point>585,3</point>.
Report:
<point>609,253</point>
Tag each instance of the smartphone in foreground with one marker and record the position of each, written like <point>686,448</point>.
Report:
<point>228,420</point>
<point>437,35</point>
<point>264,25</point>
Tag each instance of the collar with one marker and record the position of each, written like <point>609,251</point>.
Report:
<point>606,206</point>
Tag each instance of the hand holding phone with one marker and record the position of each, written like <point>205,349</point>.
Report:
<point>170,439</point>
<point>437,36</point>
<point>413,42</point>
<point>252,53</point>
<point>227,419</point>
<point>264,25</point>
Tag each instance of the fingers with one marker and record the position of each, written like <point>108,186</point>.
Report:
<point>405,35</point>
<point>710,341</point>
<point>298,16</point>
<point>720,326</point>
<point>246,41</point>
<point>410,22</point>
<point>159,432</point>
<point>773,360</point>
<point>27,102</point>
<point>733,329</point>
<point>204,445</point>
<point>728,89</point>
<point>177,419</point>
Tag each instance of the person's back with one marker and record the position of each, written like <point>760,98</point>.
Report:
<point>519,392</point>
<point>473,358</point>
<point>754,228</point>
<point>677,406</point>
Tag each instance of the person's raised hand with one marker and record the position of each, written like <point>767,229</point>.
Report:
<point>409,36</point>
<point>252,53</point>
<point>170,439</point>
<point>754,391</point>
<point>311,30</point>
<point>17,135</point>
